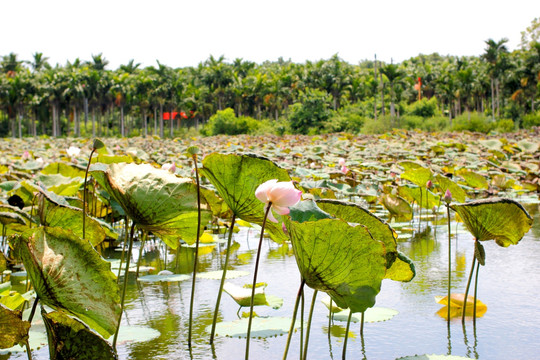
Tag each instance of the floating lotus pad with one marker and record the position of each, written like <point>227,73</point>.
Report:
<point>374,314</point>
<point>260,327</point>
<point>164,278</point>
<point>242,296</point>
<point>216,275</point>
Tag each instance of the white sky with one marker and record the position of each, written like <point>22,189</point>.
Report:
<point>184,33</point>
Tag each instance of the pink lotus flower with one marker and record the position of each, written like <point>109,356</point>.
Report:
<point>279,195</point>
<point>341,162</point>
<point>448,196</point>
<point>169,167</point>
<point>26,155</point>
<point>344,169</point>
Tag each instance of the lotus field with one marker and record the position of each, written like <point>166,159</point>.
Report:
<point>310,247</point>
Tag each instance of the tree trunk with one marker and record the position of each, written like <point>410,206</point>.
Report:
<point>383,112</point>
<point>145,125</point>
<point>375,95</point>
<point>93,121</point>
<point>20,119</point>
<point>155,121</point>
<point>122,134</point>
<point>85,113</point>
<point>171,120</point>
<point>161,121</point>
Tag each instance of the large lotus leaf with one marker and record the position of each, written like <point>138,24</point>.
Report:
<point>528,146</point>
<point>342,260</point>
<point>402,269</point>
<point>70,218</point>
<point>71,339</point>
<point>67,273</point>
<point>419,176</point>
<point>67,170</point>
<point>13,209</point>
<point>7,218</point>
<point>236,177</point>
<point>9,185</point>
<point>458,194</point>
<point>156,200</point>
<point>474,180</point>
<point>397,206</point>
<point>502,220</point>
<point>412,193</point>
<point>112,159</point>
<point>14,329</point>
<point>354,213</point>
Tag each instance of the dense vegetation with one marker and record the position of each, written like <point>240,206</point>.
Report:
<point>495,91</point>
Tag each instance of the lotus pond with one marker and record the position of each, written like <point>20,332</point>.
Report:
<point>374,181</point>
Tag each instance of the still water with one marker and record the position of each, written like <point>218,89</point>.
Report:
<point>509,284</point>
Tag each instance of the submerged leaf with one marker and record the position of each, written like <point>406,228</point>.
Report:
<point>68,274</point>
<point>260,327</point>
<point>502,220</point>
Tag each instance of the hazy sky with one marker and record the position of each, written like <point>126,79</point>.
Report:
<point>184,33</point>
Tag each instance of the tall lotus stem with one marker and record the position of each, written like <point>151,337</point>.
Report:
<point>220,291</point>
<point>291,329</point>
<point>193,150</point>
<point>126,273</point>
<point>467,289</point>
<point>250,320</point>
<point>448,200</point>
<point>346,335</point>
<point>362,323</point>
<point>309,323</point>
<point>143,241</point>
<point>475,292</point>
<point>98,144</point>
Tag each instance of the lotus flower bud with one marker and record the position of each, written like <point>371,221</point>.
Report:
<point>429,184</point>
<point>448,196</point>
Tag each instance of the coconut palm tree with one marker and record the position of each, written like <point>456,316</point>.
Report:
<point>494,56</point>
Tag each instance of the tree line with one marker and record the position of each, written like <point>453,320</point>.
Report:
<point>85,98</point>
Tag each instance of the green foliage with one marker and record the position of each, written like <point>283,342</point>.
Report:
<point>424,108</point>
<point>350,119</point>
<point>311,113</point>
<point>473,122</point>
<point>504,125</point>
<point>530,120</point>
<point>226,122</point>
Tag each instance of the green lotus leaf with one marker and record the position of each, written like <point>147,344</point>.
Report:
<point>433,357</point>
<point>502,220</point>
<point>7,218</point>
<point>236,177</point>
<point>410,165</point>
<point>12,301</point>
<point>68,274</point>
<point>354,213</point>
<point>412,193</point>
<point>458,194</point>
<point>402,269</point>
<point>474,180</point>
<point>156,200</point>
<point>397,206</point>
<point>70,218</point>
<point>419,176</point>
<point>339,259</point>
<point>242,295</point>
<point>375,314</point>
<point>14,329</point>
<point>260,327</point>
<point>528,146</point>
<point>9,185</point>
<point>71,339</point>
<point>112,159</point>
<point>3,264</point>
<point>62,168</point>
<point>492,144</point>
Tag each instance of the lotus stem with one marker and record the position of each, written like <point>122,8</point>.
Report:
<point>126,273</point>
<point>467,289</point>
<point>143,241</point>
<point>449,263</point>
<point>362,323</point>
<point>195,262</point>
<point>223,276</point>
<point>33,311</point>
<point>84,192</point>
<point>309,323</point>
<point>475,292</point>
<point>28,350</point>
<point>126,226</point>
<point>420,210</point>
<point>343,356</point>
<point>330,315</point>
<point>250,320</point>
<point>291,329</point>
<point>302,325</point>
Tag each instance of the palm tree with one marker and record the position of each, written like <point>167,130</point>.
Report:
<point>494,55</point>
<point>394,74</point>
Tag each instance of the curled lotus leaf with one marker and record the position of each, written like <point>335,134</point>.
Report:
<point>474,179</point>
<point>68,274</point>
<point>458,194</point>
<point>342,260</point>
<point>71,339</point>
<point>156,200</point>
<point>502,220</point>
<point>418,176</point>
<point>398,207</point>
<point>14,329</point>
<point>236,177</point>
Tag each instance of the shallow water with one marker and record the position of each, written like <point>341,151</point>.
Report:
<point>509,285</point>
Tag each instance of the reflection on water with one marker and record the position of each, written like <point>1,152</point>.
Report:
<point>508,330</point>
